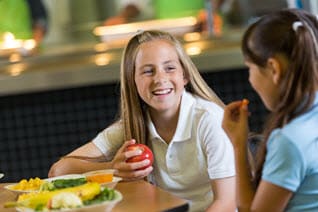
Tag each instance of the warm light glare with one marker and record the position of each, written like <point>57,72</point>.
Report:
<point>193,50</point>
<point>145,25</point>
<point>102,59</point>
<point>17,69</point>
<point>193,36</point>
<point>29,44</point>
<point>101,47</point>
<point>14,57</point>
<point>10,42</point>
<point>176,26</point>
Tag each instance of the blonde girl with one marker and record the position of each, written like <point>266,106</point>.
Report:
<point>166,105</point>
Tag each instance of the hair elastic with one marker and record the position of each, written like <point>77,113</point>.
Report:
<point>296,25</point>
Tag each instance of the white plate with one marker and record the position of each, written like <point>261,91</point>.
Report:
<point>113,183</point>
<point>69,176</point>
<point>103,206</point>
<point>10,188</point>
<point>1,175</point>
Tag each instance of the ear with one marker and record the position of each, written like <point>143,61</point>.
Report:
<point>185,81</point>
<point>276,69</point>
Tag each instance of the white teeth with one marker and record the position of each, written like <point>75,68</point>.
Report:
<point>161,92</point>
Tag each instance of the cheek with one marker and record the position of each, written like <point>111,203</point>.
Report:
<point>251,79</point>
<point>143,85</point>
<point>139,85</point>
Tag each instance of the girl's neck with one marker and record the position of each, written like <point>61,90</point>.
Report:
<point>165,124</point>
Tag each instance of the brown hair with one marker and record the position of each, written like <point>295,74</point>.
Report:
<point>278,33</point>
<point>132,113</point>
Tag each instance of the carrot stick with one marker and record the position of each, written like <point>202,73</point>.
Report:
<point>245,102</point>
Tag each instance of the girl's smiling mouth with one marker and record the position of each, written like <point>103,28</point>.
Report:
<point>162,91</point>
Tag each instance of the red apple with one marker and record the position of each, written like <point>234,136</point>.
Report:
<point>146,154</point>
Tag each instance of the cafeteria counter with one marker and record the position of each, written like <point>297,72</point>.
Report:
<point>54,102</point>
<point>98,63</point>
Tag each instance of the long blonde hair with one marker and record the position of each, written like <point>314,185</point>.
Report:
<point>132,111</point>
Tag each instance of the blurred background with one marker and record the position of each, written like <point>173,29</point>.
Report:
<point>60,61</point>
<point>73,20</point>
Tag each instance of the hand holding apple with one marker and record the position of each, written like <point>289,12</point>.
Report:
<point>146,153</point>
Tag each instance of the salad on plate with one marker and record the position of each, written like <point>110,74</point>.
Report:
<point>104,177</point>
<point>67,193</point>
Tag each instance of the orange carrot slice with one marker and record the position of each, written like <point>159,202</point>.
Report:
<point>245,102</point>
<point>100,178</point>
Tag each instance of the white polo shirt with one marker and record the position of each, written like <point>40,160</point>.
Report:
<point>199,152</point>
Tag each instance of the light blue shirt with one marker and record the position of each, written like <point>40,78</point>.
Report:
<point>292,160</point>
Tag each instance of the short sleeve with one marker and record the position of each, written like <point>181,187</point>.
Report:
<point>284,164</point>
<point>218,148</point>
<point>110,140</point>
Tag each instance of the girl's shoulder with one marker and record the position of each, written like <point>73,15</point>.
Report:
<point>114,132</point>
<point>205,111</point>
<point>206,105</point>
<point>302,127</point>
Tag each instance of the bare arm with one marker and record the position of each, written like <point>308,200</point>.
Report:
<point>224,195</point>
<point>235,124</point>
<point>270,197</point>
<point>244,189</point>
<point>69,165</point>
<point>267,197</point>
<point>82,160</point>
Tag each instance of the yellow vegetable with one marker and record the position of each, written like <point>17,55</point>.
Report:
<point>86,191</point>
<point>31,184</point>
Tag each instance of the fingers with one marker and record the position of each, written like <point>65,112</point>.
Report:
<point>126,144</point>
<point>132,170</point>
<point>122,154</point>
<point>136,165</point>
<point>232,111</point>
<point>135,175</point>
<point>131,166</point>
<point>235,118</point>
<point>236,110</point>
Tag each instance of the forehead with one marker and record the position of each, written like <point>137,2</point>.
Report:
<point>158,48</point>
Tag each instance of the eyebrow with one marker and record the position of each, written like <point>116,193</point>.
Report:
<point>170,61</point>
<point>165,62</point>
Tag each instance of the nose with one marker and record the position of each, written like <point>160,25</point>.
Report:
<point>160,76</point>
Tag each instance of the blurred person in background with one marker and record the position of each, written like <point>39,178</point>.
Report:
<point>39,19</point>
<point>127,14</point>
<point>131,11</point>
<point>237,12</point>
<point>24,19</point>
<point>234,12</point>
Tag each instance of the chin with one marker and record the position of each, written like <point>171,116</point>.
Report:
<point>269,107</point>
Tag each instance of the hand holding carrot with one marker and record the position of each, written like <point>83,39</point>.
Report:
<point>235,122</point>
